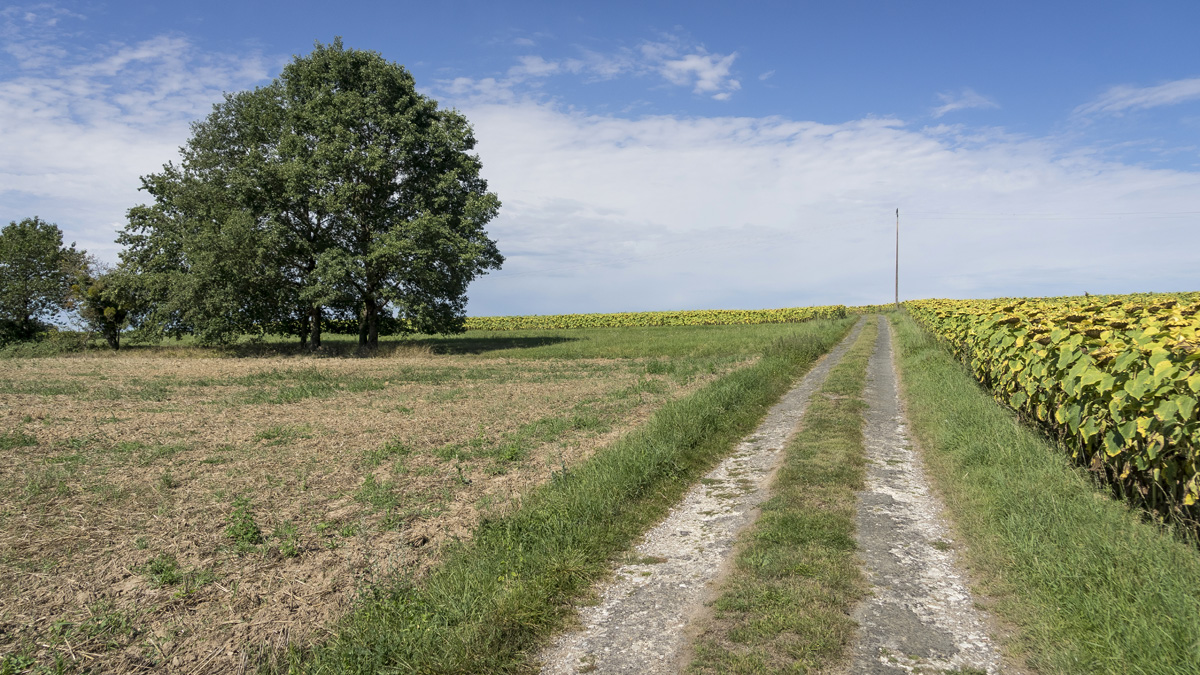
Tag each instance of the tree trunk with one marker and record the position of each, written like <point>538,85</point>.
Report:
<point>303,332</point>
<point>314,318</point>
<point>368,323</point>
<point>27,330</point>
<point>373,324</point>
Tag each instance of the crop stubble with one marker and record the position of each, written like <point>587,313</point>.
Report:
<point>376,463</point>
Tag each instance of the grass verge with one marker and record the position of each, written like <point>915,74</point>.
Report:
<point>785,605</point>
<point>486,608</point>
<point>1089,587</point>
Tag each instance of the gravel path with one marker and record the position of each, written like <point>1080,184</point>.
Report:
<point>638,625</point>
<point>921,617</point>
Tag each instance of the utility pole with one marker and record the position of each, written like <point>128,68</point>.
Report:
<point>897,258</point>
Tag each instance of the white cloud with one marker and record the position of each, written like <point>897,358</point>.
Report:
<point>767,75</point>
<point>676,62</point>
<point>965,99</point>
<point>29,33</point>
<point>1125,97</point>
<point>706,73</point>
<point>77,131</point>
<point>603,213</point>
<point>533,66</point>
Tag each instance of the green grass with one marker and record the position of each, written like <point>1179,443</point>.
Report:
<point>492,600</point>
<point>622,343</point>
<point>284,433</point>
<point>1088,585</point>
<point>650,342</point>
<point>292,386</point>
<point>376,456</point>
<point>785,605</point>
<point>16,438</point>
<point>514,446</point>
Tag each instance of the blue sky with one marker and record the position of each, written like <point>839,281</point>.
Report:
<point>689,155</point>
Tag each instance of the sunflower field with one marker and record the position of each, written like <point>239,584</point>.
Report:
<point>702,317</point>
<point>1116,378</point>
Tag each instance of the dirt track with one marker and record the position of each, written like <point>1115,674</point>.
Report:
<point>921,616</point>
<point>639,624</point>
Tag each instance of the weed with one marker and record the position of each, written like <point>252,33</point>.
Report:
<point>382,495</point>
<point>242,528</point>
<point>50,480</point>
<point>128,447</point>
<point>462,479</point>
<point>279,435</point>
<point>307,383</point>
<point>154,390</point>
<point>141,543</point>
<point>289,539</point>
<point>167,481</point>
<point>11,664</point>
<point>16,439</point>
<point>588,422</point>
<point>194,580</point>
<point>451,451</point>
<point>393,448</point>
<point>162,570</point>
<point>153,453</point>
<point>107,627</point>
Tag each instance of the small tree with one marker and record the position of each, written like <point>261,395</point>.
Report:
<point>36,271</point>
<point>105,299</point>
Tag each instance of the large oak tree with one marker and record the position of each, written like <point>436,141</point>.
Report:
<point>337,189</point>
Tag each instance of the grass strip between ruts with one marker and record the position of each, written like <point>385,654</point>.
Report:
<point>494,600</point>
<point>1088,585</point>
<point>785,605</point>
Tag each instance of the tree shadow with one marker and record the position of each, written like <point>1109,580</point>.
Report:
<point>482,345</point>
<point>346,346</point>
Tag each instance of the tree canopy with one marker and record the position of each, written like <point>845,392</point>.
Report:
<point>337,190</point>
<point>36,271</point>
<point>104,298</point>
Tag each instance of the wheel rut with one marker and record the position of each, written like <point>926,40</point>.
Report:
<point>638,624</point>
<point>921,616</point>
